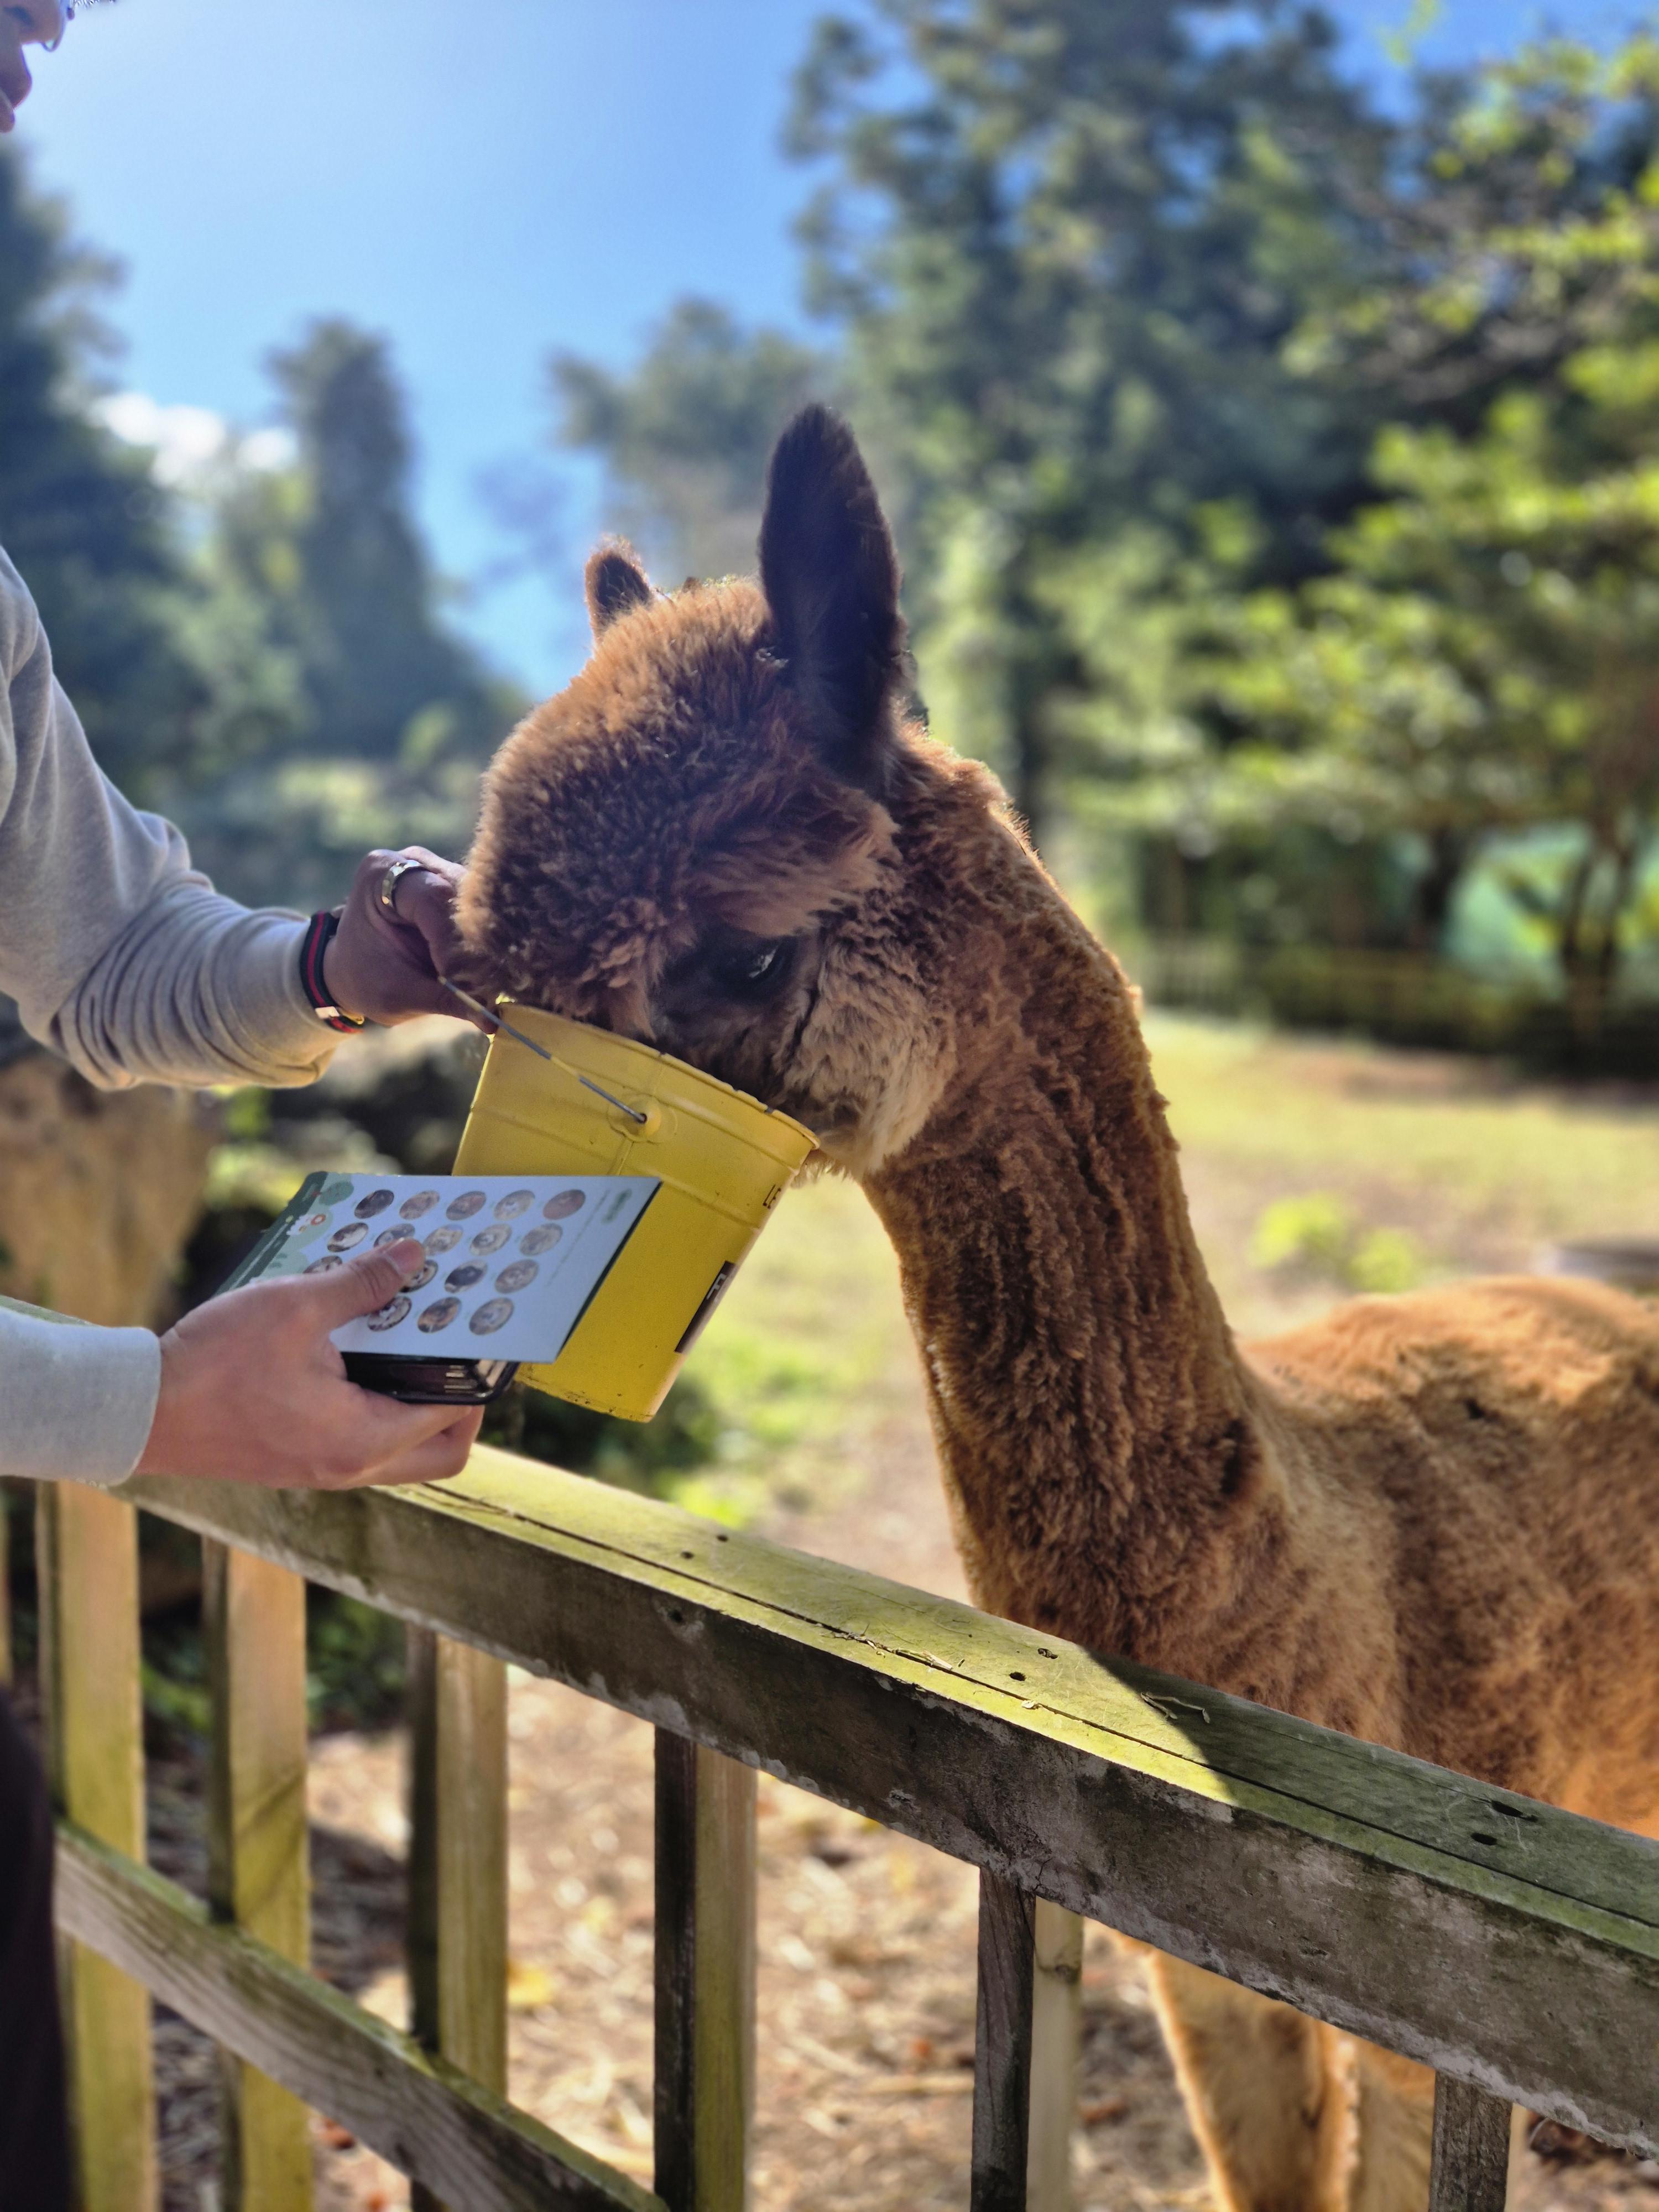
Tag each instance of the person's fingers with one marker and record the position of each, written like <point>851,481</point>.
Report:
<point>425,905</point>
<point>434,1456</point>
<point>366,1283</point>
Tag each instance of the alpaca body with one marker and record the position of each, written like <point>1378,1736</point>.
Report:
<point>1430,1521</point>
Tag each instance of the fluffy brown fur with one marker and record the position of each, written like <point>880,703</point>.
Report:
<point>1431,1521</point>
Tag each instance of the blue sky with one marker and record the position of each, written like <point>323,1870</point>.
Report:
<point>484,184</point>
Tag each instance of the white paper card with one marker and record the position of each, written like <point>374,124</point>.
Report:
<point>511,1261</point>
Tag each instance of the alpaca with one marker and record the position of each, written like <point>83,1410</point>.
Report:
<point>1431,1521</point>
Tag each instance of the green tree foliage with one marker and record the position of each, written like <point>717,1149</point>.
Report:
<point>351,716</point>
<point>78,513</point>
<point>378,667</point>
<point>1484,660</point>
<point>684,434</point>
<point>264,655</point>
<point>1069,240</point>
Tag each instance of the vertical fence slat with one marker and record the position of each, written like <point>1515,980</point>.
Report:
<point>87,1555</point>
<point>1056,2035</point>
<point>258,1874</point>
<point>1002,2045</point>
<point>1470,2169</point>
<point>457,1860</point>
<point>704,2095</point>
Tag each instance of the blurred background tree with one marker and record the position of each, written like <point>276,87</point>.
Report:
<point>79,513</point>
<point>1480,670</point>
<point>1067,244</point>
<point>685,433</point>
<point>374,718</point>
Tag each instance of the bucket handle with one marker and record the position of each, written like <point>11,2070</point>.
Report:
<point>552,1058</point>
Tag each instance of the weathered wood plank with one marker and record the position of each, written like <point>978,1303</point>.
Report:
<point>86,1559</point>
<point>253,1619</point>
<point>1523,1956</point>
<point>1056,2038</point>
<point>457,1860</point>
<point>1002,2046</point>
<point>704,2095</point>
<point>1470,2168</point>
<point>421,2113</point>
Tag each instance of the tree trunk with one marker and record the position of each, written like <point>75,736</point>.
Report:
<point>1436,889</point>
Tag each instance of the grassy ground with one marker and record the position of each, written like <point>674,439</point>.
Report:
<point>807,1358</point>
<point>1479,1172</point>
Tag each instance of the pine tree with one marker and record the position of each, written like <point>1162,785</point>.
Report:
<point>685,433</point>
<point>382,673</point>
<point>79,514</point>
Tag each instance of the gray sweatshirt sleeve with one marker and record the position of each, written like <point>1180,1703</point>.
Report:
<point>76,1402</point>
<point>119,955</point>
<point>125,959</point>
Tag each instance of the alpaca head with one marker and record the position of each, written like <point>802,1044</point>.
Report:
<point>700,842</point>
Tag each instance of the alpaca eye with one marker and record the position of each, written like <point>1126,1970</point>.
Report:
<point>749,971</point>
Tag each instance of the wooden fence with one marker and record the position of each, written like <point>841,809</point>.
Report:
<point>1400,998</point>
<point>1513,1948</point>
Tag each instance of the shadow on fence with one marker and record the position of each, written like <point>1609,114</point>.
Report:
<point>1398,998</point>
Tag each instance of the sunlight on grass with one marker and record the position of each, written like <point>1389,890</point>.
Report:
<point>1442,1158</point>
<point>1545,1163</point>
<point>808,1353</point>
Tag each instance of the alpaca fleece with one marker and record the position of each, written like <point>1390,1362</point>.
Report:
<point>1432,1521</point>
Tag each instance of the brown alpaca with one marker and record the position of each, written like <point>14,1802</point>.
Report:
<point>1431,1521</point>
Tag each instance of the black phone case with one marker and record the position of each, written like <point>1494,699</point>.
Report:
<point>430,1381</point>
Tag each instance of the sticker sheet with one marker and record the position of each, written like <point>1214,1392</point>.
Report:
<point>511,1260</point>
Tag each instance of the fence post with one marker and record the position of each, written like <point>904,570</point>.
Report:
<point>1470,2167</point>
<point>253,1620</point>
<point>1056,2036</point>
<point>704,2094</point>
<point>1002,2045</point>
<point>457,1860</point>
<point>87,1557</point>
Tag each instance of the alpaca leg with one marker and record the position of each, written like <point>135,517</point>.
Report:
<point>1254,2076</point>
<point>1393,2104</point>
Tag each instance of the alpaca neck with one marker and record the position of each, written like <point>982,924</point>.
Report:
<point>1093,1415</point>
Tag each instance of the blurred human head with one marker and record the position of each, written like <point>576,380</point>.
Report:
<point>24,23</point>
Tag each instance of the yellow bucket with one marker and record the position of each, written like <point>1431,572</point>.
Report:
<point>724,1161</point>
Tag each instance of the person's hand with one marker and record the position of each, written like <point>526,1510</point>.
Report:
<point>385,959</point>
<point>254,1391</point>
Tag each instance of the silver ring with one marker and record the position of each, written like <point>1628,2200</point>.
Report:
<point>390,881</point>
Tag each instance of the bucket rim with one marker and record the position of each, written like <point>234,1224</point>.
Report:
<point>668,1059</point>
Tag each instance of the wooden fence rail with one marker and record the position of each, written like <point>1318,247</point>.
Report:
<point>1514,1948</point>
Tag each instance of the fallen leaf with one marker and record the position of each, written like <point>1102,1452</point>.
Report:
<point>527,1986</point>
<point>1107,2108</point>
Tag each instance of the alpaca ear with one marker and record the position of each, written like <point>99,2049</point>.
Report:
<point>616,583</point>
<point>831,579</point>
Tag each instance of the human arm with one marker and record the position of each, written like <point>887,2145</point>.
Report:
<point>123,959</point>
<point>248,1387</point>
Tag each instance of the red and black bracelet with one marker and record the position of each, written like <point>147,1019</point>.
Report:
<point>314,945</point>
